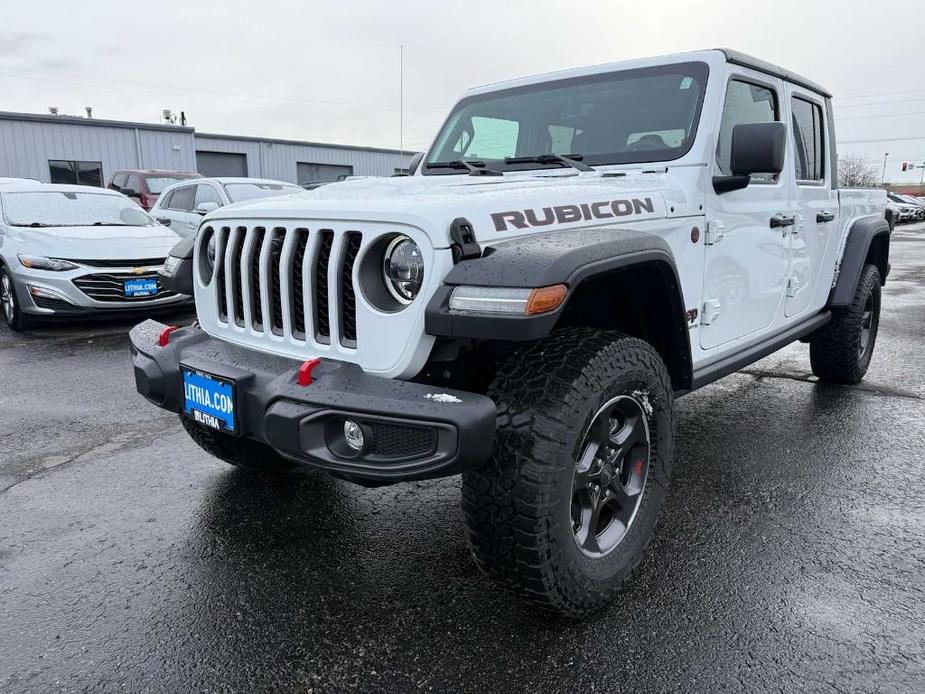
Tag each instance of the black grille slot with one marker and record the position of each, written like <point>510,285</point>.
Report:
<point>348,307</point>
<point>276,299</point>
<point>256,304</point>
<point>392,441</point>
<point>322,320</point>
<point>237,293</point>
<point>137,262</point>
<point>220,243</point>
<point>111,287</point>
<point>297,300</point>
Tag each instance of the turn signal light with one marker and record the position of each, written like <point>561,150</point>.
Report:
<point>545,299</point>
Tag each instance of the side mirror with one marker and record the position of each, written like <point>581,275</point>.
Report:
<point>415,163</point>
<point>177,273</point>
<point>206,207</point>
<point>756,148</point>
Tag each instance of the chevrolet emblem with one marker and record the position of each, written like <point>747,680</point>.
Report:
<point>139,270</point>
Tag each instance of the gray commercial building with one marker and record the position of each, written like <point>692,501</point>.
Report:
<point>73,149</point>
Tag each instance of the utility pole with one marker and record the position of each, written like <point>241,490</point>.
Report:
<point>883,175</point>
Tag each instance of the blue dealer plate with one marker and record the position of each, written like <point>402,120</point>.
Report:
<point>143,286</point>
<point>209,400</point>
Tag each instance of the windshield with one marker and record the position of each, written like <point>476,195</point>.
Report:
<point>641,115</point>
<point>239,192</point>
<point>57,208</point>
<point>156,184</point>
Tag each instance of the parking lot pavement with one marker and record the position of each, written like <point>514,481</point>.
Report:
<point>791,553</point>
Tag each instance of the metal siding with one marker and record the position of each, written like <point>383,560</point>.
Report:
<point>27,145</point>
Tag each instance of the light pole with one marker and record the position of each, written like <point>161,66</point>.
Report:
<point>883,175</point>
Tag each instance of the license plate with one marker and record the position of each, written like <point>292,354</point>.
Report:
<point>209,400</point>
<point>142,286</point>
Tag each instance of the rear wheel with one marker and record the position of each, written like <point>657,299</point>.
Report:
<point>9,302</point>
<point>240,452</point>
<point>564,509</point>
<point>840,351</point>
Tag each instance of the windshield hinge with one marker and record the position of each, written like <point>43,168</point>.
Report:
<point>464,244</point>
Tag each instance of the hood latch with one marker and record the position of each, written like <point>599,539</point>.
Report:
<point>464,244</point>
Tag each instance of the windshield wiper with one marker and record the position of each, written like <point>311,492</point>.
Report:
<point>573,160</point>
<point>36,225</point>
<point>110,224</point>
<point>476,167</point>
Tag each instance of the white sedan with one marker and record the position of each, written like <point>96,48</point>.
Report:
<point>73,250</point>
<point>182,205</point>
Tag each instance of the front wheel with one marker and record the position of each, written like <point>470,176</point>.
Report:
<point>567,504</point>
<point>9,302</point>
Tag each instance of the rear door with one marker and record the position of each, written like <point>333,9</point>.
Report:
<point>814,199</point>
<point>178,208</point>
<point>746,254</point>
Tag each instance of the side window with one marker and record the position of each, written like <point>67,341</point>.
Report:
<point>181,199</point>
<point>206,193</point>
<point>119,181</point>
<point>745,103</point>
<point>132,184</point>
<point>808,145</point>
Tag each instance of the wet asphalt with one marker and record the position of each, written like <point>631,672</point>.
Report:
<point>790,555</point>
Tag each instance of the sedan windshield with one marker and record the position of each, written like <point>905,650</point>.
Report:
<point>239,192</point>
<point>641,115</point>
<point>57,208</point>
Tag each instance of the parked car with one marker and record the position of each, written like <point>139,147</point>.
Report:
<point>918,205</point>
<point>146,185</point>
<point>182,205</point>
<point>69,250</point>
<point>907,211</point>
<point>524,309</point>
<point>7,180</point>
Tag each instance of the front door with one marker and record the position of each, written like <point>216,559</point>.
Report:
<point>814,199</point>
<point>747,237</point>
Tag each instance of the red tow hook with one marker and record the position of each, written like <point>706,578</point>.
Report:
<point>164,338</point>
<point>305,371</point>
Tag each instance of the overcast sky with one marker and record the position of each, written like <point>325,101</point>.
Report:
<point>328,70</point>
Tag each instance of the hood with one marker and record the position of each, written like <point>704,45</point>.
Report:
<point>97,243</point>
<point>496,206</point>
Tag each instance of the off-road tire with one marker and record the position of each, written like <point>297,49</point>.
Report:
<point>240,452</point>
<point>834,350</point>
<point>516,507</point>
<point>19,320</point>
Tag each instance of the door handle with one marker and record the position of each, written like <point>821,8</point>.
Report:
<point>824,216</point>
<point>782,220</point>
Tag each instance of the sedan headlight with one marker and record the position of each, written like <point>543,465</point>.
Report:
<point>403,269</point>
<point>38,262</point>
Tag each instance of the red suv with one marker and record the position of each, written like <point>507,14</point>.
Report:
<point>145,185</point>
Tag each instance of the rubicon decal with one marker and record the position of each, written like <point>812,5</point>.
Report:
<point>563,214</point>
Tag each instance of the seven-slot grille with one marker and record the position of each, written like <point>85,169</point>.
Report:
<point>291,282</point>
<point>111,287</point>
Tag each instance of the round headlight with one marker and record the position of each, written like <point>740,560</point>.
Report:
<point>403,268</point>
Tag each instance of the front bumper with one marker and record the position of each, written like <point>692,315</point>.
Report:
<point>414,431</point>
<point>60,296</point>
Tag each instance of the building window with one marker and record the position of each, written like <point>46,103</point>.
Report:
<point>81,173</point>
<point>307,172</point>
<point>402,172</point>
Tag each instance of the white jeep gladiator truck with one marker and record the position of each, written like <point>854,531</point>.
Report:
<point>574,251</point>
